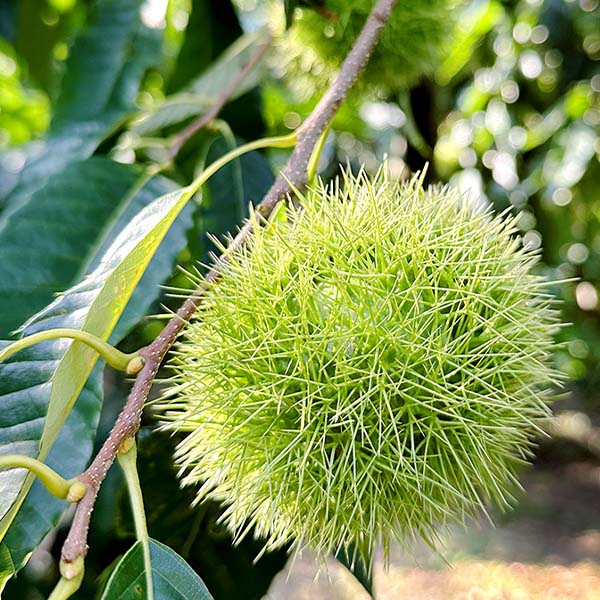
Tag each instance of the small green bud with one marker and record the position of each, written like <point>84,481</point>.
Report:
<point>373,368</point>
<point>135,365</point>
<point>76,492</point>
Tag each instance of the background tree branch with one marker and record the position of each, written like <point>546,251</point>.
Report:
<point>203,120</point>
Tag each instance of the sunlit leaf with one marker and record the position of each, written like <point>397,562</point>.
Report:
<point>99,88</point>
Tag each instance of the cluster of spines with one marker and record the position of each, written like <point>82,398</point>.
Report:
<point>411,44</point>
<point>370,370</point>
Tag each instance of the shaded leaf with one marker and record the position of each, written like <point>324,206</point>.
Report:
<point>195,532</point>
<point>112,197</point>
<point>290,6</point>
<point>34,39</point>
<point>232,189</point>
<point>100,68</point>
<point>212,26</point>
<point>7,19</point>
<point>40,511</point>
<point>172,577</point>
<point>43,382</point>
<point>203,92</point>
<point>69,224</point>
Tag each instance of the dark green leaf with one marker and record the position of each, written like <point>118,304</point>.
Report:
<point>42,383</point>
<point>7,19</point>
<point>212,26</point>
<point>69,455</point>
<point>105,200</point>
<point>195,532</point>
<point>63,230</point>
<point>290,6</point>
<point>35,38</point>
<point>231,190</point>
<point>99,66</point>
<point>172,577</point>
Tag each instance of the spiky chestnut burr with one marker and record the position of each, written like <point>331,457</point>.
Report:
<point>411,45</point>
<point>371,368</point>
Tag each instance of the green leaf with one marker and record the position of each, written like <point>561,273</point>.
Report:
<point>103,73</point>
<point>7,564</point>
<point>172,577</point>
<point>40,511</point>
<point>41,383</point>
<point>101,66</point>
<point>232,189</point>
<point>211,27</point>
<point>197,532</point>
<point>68,225</point>
<point>204,91</point>
<point>477,19</point>
<point>70,453</point>
<point>34,38</point>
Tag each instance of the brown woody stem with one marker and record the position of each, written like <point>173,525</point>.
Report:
<point>295,174</point>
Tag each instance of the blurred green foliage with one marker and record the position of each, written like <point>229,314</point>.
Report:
<point>24,109</point>
<point>519,127</point>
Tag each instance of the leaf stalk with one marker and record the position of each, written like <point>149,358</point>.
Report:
<point>113,357</point>
<point>58,486</point>
<point>70,581</point>
<point>127,457</point>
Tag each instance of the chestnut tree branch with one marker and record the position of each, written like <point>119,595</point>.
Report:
<point>294,173</point>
